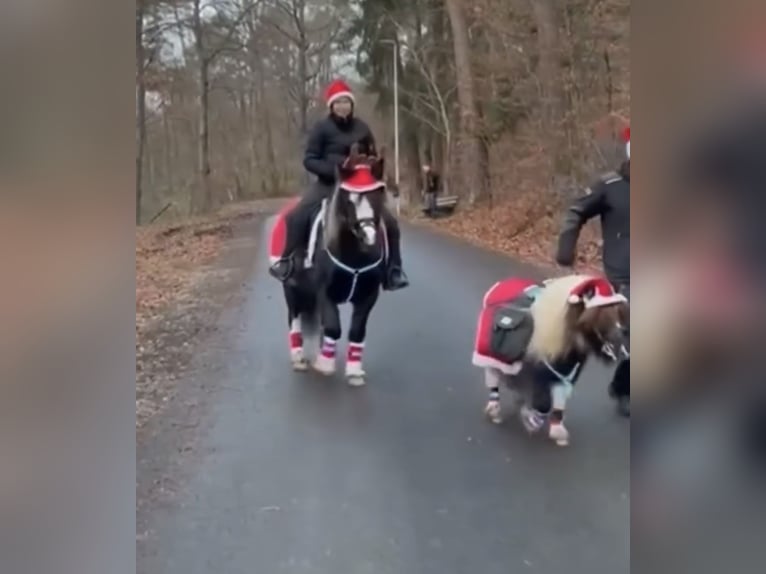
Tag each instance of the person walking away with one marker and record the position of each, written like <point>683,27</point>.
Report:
<point>430,189</point>
<point>609,199</point>
<point>328,146</point>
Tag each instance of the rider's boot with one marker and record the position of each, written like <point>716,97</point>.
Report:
<point>285,267</point>
<point>395,277</point>
<point>282,269</point>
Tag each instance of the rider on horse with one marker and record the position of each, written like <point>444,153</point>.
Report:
<point>608,198</point>
<point>328,146</point>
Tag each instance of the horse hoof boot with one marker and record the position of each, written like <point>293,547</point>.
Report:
<point>532,420</point>
<point>324,365</point>
<point>355,375</point>
<point>356,380</point>
<point>559,434</point>
<point>300,364</point>
<point>492,410</point>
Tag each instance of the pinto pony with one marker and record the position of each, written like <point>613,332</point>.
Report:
<point>344,262</point>
<point>535,339</point>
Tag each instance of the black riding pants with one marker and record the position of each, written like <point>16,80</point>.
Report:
<point>621,380</point>
<point>298,222</point>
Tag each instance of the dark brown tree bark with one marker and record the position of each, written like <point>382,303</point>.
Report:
<point>547,20</point>
<point>203,195</point>
<point>140,106</point>
<point>475,179</point>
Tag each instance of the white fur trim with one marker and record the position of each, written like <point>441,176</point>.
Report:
<point>599,301</point>
<point>627,149</point>
<point>480,360</point>
<point>332,99</point>
<point>488,293</point>
<point>362,188</point>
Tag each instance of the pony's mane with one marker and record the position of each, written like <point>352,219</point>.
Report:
<point>331,223</point>
<point>550,339</point>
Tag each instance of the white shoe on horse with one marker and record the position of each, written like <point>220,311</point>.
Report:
<point>493,411</point>
<point>298,360</point>
<point>558,433</point>
<point>355,375</point>
<point>324,365</point>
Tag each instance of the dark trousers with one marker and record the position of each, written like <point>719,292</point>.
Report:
<point>299,219</point>
<point>431,203</point>
<point>621,381</point>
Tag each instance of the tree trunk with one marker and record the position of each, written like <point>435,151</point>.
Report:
<point>140,106</point>
<point>204,198</point>
<point>473,170</point>
<point>547,20</point>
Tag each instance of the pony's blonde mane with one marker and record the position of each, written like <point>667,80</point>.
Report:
<point>550,338</point>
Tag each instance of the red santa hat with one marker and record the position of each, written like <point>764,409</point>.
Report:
<point>595,292</point>
<point>361,180</point>
<point>626,139</point>
<point>336,90</point>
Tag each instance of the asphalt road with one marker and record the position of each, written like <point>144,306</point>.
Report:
<point>404,476</point>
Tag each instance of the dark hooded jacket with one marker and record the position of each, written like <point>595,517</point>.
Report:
<point>329,144</point>
<point>608,198</point>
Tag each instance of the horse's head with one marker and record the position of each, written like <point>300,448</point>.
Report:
<point>358,201</point>
<point>600,317</point>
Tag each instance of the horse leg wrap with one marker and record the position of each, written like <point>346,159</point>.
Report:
<point>354,360</point>
<point>297,356</point>
<point>325,362</point>
<point>556,429</point>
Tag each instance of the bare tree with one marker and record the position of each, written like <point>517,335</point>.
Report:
<point>140,105</point>
<point>475,177</point>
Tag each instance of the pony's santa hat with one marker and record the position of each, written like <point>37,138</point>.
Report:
<point>626,138</point>
<point>595,292</point>
<point>361,180</point>
<point>336,90</point>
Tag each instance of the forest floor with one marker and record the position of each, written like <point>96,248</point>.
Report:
<point>181,288</point>
<point>519,228</point>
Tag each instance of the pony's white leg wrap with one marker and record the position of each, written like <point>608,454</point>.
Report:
<point>296,339</point>
<point>325,361</point>
<point>492,380</point>
<point>557,432</point>
<point>354,360</point>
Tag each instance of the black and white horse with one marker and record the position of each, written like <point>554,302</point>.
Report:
<point>344,263</point>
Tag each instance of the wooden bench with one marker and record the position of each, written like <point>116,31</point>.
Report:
<point>444,206</point>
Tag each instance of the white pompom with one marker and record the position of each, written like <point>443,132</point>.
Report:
<point>574,299</point>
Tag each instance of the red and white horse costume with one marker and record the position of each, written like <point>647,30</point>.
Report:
<point>544,353</point>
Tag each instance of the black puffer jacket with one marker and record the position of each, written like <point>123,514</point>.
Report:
<point>330,143</point>
<point>608,198</point>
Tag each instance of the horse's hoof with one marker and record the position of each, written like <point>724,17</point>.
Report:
<point>324,365</point>
<point>356,380</point>
<point>492,410</point>
<point>559,434</point>
<point>300,365</point>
